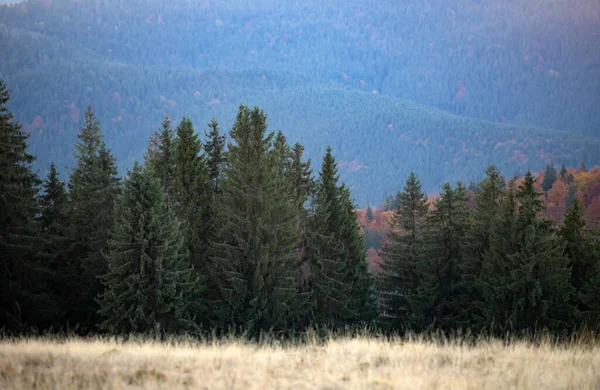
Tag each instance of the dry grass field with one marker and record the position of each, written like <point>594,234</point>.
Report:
<point>344,363</point>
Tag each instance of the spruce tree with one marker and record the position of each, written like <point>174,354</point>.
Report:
<point>550,177</point>
<point>301,184</point>
<point>438,294</point>
<point>398,280</point>
<point>563,172</point>
<point>160,157</point>
<point>583,252</point>
<point>283,153</point>
<point>21,301</point>
<point>486,214</point>
<point>214,148</point>
<point>150,283</point>
<point>55,231</point>
<point>252,254</point>
<point>190,193</point>
<point>328,268</point>
<point>525,279</point>
<point>93,188</point>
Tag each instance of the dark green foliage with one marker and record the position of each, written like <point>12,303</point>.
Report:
<point>55,231</point>
<point>525,277</point>
<point>214,148</point>
<point>150,283</point>
<point>485,216</point>
<point>437,299</point>
<point>563,171</point>
<point>582,250</point>
<point>93,189</point>
<point>190,192</point>
<point>399,279</point>
<point>53,202</point>
<point>325,251</point>
<point>253,252</point>
<point>550,177</point>
<point>389,204</point>
<point>160,157</point>
<point>250,233</point>
<point>21,301</point>
<point>362,287</point>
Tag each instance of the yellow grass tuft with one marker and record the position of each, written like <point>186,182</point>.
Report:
<point>340,363</point>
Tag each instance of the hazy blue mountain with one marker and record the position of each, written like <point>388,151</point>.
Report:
<point>439,87</point>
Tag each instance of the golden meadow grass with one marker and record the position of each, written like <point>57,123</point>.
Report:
<point>340,363</point>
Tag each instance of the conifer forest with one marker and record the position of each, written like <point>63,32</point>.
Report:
<point>235,230</point>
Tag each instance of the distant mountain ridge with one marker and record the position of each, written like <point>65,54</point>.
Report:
<point>336,73</point>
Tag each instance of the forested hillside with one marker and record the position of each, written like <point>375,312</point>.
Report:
<point>439,87</point>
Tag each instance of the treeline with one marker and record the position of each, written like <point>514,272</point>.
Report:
<point>488,262</point>
<point>200,237</point>
<point>240,235</point>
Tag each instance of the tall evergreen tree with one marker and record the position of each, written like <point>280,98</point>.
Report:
<point>438,294</point>
<point>21,301</point>
<point>160,156</point>
<point>525,278</point>
<point>190,193</point>
<point>328,268</point>
<point>583,252</point>
<point>55,231</point>
<point>93,188</point>
<point>398,280</point>
<point>150,283</point>
<point>252,255</point>
<point>486,214</point>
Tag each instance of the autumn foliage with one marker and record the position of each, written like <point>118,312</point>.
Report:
<point>571,183</point>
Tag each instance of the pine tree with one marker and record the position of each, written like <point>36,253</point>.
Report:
<point>583,252</point>
<point>550,177</point>
<point>437,298</point>
<point>150,283</point>
<point>160,157</point>
<point>21,301</point>
<point>525,278</point>
<point>398,279</point>
<point>252,255</point>
<point>93,189</point>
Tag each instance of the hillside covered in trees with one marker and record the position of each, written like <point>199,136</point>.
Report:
<point>442,88</point>
<point>207,235</point>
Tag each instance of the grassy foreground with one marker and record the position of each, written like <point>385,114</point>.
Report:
<point>345,363</point>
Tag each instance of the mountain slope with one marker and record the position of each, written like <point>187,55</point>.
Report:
<point>347,74</point>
